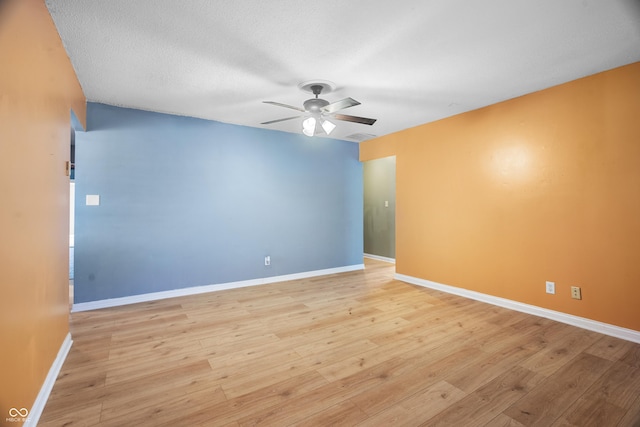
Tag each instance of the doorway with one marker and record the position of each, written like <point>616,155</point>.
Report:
<point>379,178</point>
<point>72,214</point>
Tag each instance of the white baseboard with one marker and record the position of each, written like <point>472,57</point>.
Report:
<point>45,390</point>
<point>380,258</point>
<point>581,322</point>
<point>153,296</point>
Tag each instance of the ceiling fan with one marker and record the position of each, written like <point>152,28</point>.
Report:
<point>320,110</point>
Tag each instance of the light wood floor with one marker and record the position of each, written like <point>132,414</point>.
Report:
<point>351,349</point>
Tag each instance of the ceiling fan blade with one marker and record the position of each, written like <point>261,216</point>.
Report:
<point>279,120</point>
<point>284,105</point>
<point>339,105</point>
<point>354,119</point>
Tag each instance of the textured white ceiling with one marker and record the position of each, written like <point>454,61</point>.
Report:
<point>408,62</point>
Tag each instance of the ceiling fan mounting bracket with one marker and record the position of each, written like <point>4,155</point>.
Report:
<point>317,87</point>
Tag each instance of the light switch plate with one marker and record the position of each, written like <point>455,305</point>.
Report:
<point>92,200</point>
<point>551,287</point>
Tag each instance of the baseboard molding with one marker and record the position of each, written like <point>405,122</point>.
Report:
<point>581,322</point>
<point>380,258</point>
<point>45,390</point>
<point>153,296</point>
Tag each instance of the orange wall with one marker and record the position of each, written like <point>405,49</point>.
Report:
<point>541,187</point>
<point>38,87</point>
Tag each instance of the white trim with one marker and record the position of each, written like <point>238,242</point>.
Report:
<point>380,258</point>
<point>581,322</point>
<point>153,296</point>
<point>45,390</point>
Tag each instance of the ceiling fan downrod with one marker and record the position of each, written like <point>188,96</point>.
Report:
<point>316,90</point>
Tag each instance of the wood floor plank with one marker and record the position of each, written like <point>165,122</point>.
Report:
<point>486,368</point>
<point>610,348</point>
<point>503,421</point>
<point>238,340</point>
<point>322,398</point>
<point>560,351</point>
<point>632,357</point>
<point>343,414</point>
<point>417,408</point>
<point>89,415</point>
<point>356,348</point>
<point>352,365</point>
<point>127,392</point>
<point>237,372</point>
<point>591,413</point>
<point>632,417</point>
<point>263,401</point>
<point>488,401</point>
<point>159,409</point>
<point>427,370</point>
<point>620,386</point>
<point>141,371</point>
<point>546,403</point>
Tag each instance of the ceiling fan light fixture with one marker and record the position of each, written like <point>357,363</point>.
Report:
<point>328,126</point>
<point>309,126</point>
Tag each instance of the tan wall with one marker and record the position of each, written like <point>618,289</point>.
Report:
<point>541,187</point>
<point>38,87</point>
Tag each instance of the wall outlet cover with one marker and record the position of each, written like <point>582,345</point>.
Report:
<point>576,292</point>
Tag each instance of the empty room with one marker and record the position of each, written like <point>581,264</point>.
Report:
<point>413,213</point>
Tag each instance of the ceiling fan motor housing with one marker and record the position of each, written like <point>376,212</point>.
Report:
<point>314,105</point>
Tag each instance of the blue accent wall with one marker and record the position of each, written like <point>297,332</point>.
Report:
<point>188,202</point>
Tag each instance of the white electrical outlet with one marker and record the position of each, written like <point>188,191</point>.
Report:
<point>551,287</point>
<point>267,260</point>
